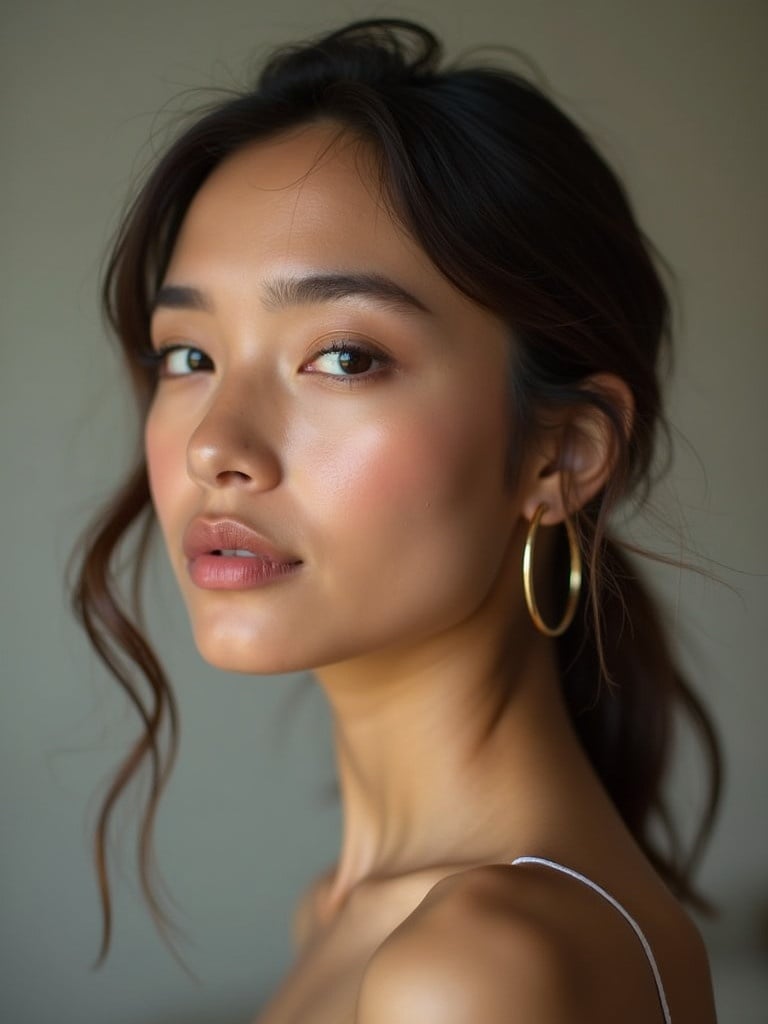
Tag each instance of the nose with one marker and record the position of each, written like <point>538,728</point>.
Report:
<point>230,448</point>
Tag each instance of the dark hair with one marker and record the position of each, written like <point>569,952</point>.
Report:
<point>514,205</point>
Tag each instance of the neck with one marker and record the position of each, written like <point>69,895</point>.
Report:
<point>449,754</point>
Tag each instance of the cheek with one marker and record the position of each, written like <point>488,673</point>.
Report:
<point>409,470</point>
<point>419,502</point>
<point>166,460</point>
<point>443,462</point>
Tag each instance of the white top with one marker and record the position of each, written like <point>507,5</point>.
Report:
<point>625,914</point>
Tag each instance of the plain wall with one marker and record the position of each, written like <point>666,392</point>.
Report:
<point>675,95</point>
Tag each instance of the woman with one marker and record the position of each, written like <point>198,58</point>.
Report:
<point>394,333</point>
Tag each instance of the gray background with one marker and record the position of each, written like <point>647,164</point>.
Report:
<point>675,94</point>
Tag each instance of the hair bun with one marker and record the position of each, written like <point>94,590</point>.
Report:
<point>373,50</point>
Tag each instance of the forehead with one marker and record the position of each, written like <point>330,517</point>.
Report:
<point>310,200</point>
<point>309,196</point>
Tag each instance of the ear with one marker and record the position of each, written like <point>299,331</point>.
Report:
<point>577,453</point>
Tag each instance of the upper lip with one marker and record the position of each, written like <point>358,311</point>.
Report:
<point>204,535</point>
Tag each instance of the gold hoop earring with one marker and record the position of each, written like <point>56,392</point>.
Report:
<point>574,581</point>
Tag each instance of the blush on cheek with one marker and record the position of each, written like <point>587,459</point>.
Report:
<point>392,482</point>
<point>422,531</point>
<point>381,468</point>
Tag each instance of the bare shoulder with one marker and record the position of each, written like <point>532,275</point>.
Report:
<point>502,945</point>
<point>462,957</point>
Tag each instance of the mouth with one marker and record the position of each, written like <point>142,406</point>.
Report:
<point>226,554</point>
<point>208,537</point>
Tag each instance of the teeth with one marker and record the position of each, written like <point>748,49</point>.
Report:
<point>235,553</point>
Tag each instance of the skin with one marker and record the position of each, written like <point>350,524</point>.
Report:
<point>454,748</point>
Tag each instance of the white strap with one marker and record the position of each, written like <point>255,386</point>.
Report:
<point>625,914</point>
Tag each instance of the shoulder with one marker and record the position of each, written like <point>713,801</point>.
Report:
<point>525,943</point>
<point>478,947</point>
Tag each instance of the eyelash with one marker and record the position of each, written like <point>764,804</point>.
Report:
<point>156,360</point>
<point>350,380</point>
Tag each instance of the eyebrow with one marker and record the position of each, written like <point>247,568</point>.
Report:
<point>294,291</point>
<point>179,296</point>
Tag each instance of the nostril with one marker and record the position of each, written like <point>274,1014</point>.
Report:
<point>230,476</point>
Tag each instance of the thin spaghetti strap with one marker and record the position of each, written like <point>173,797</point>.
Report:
<point>625,914</point>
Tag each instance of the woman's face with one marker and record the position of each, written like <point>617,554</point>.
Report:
<point>335,395</point>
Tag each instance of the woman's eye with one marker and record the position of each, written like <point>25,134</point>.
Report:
<point>343,359</point>
<point>181,361</point>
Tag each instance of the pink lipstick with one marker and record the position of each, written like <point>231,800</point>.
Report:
<point>225,554</point>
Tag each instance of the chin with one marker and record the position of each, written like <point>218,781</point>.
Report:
<point>246,662</point>
<point>250,654</point>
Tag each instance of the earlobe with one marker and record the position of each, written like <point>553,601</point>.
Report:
<point>578,457</point>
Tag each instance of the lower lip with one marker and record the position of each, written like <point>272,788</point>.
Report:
<point>227,572</point>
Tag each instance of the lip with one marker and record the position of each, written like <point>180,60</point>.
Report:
<point>207,535</point>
